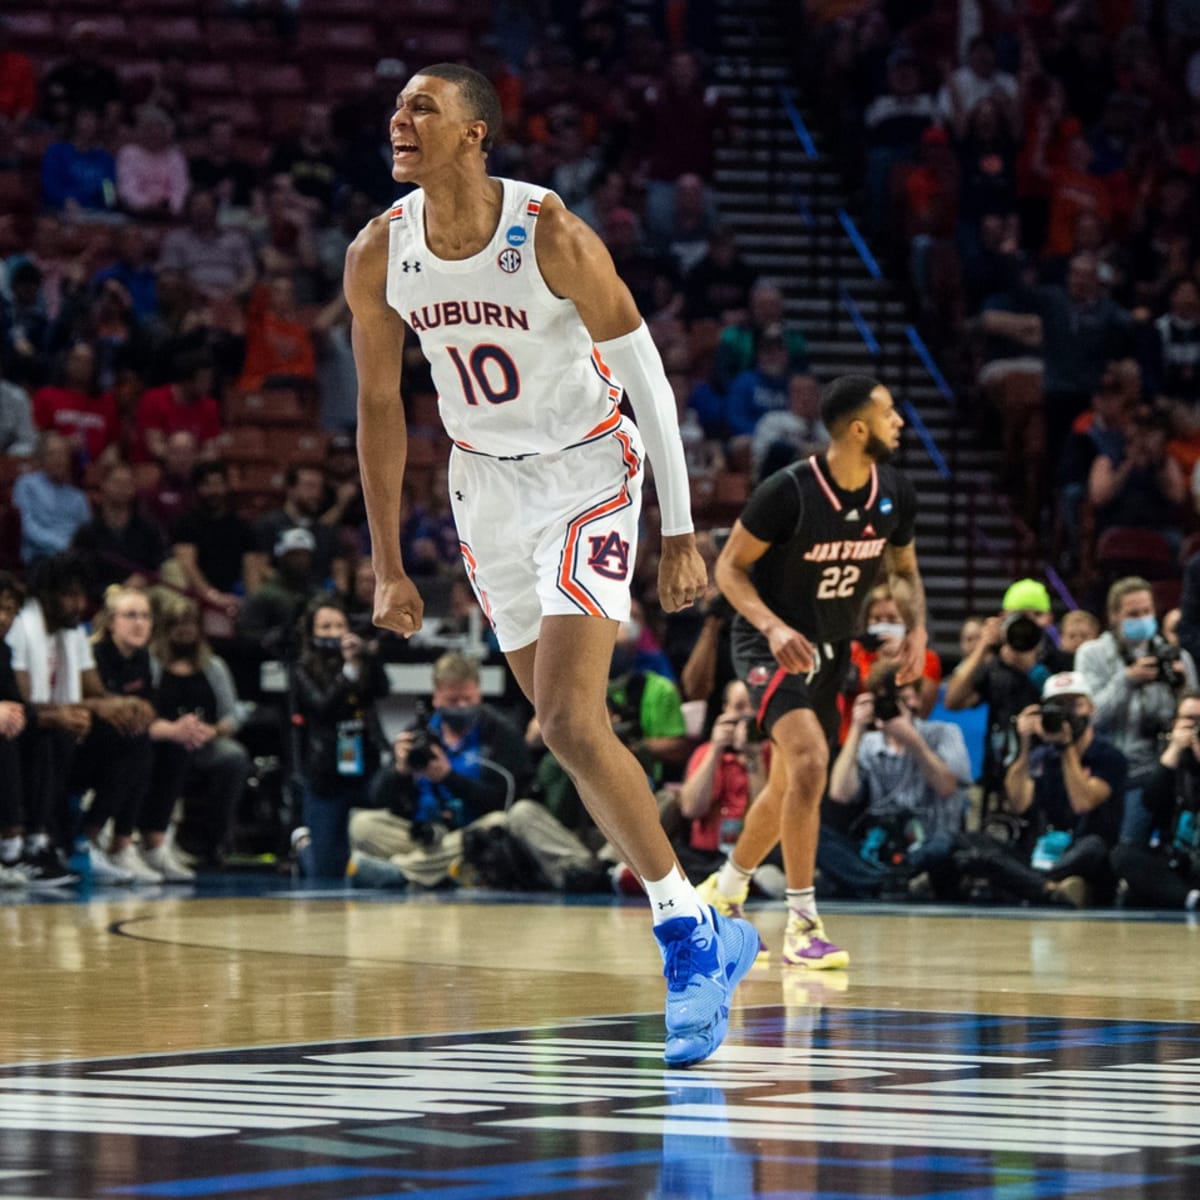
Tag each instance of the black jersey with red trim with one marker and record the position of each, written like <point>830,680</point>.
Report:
<point>826,546</point>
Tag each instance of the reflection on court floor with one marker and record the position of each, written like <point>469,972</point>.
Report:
<point>802,1101</point>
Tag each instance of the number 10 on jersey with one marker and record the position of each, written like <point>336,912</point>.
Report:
<point>486,367</point>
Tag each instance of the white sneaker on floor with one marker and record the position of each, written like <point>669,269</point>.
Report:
<point>162,859</point>
<point>131,862</point>
<point>12,877</point>
<point>103,869</point>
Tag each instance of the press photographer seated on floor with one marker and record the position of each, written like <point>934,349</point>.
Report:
<point>1169,875</point>
<point>1063,794</point>
<point>911,776</point>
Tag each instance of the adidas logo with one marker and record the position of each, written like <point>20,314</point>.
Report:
<point>852,515</point>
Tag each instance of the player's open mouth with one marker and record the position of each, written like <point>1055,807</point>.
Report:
<point>402,149</point>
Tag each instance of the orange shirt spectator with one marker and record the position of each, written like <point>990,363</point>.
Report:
<point>278,342</point>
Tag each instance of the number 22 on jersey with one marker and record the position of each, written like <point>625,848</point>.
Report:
<point>838,582</point>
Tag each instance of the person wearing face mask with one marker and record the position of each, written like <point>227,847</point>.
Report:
<point>1135,674</point>
<point>334,687</point>
<point>1006,670</point>
<point>910,776</point>
<point>1064,790</point>
<point>881,642</point>
<point>464,763</point>
<point>190,678</point>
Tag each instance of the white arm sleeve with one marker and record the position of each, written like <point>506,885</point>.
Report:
<point>635,362</point>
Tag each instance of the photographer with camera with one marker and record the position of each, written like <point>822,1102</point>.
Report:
<point>1169,876</point>
<point>1065,787</point>
<point>1135,674</point>
<point>911,775</point>
<point>722,777</point>
<point>1011,661</point>
<point>452,768</point>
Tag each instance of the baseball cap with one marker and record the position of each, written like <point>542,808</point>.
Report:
<point>1065,683</point>
<point>296,538</point>
<point>1027,594</point>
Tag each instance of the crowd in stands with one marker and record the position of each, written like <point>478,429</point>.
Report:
<point>1032,174</point>
<point>180,510</point>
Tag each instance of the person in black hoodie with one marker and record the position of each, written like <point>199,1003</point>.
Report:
<point>334,686</point>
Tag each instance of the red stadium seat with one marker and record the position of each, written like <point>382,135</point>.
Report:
<point>298,446</point>
<point>244,444</point>
<point>1129,550</point>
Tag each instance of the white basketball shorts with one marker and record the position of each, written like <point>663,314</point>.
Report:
<point>550,534</point>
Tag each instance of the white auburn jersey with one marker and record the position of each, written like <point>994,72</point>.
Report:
<point>515,367</point>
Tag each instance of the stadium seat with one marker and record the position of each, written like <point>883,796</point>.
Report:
<point>1129,550</point>
<point>306,446</point>
<point>268,407</point>
<point>244,444</point>
<point>1167,594</point>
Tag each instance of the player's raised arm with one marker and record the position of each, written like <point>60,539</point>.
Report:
<point>576,265</point>
<point>792,650</point>
<point>377,336</point>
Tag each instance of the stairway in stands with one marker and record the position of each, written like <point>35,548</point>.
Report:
<point>782,200</point>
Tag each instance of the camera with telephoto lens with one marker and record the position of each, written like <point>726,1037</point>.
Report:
<point>1167,656</point>
<point>1021,633</point>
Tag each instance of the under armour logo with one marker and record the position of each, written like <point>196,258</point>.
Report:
<point>665,904</point>
<point>458,495</point>
<point>407,266</point>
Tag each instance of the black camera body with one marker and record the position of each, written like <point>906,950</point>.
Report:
<point>420,753</point>
<point>1167,656</point>
<point>886,699</point>
<point>1055,718</point>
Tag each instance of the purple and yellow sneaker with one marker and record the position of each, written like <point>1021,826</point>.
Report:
<point>805,945</point>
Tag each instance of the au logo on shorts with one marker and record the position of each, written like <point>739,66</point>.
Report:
<point>609,547</point>
<point>509,261</point>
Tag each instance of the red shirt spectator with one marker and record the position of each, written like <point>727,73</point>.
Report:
<point>86,420</point>
<point>183,406</point>
<point>18,91</point>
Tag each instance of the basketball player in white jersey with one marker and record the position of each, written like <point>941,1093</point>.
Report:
<point>532,337</point>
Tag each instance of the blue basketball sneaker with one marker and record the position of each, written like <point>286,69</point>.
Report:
<point>703,962</point>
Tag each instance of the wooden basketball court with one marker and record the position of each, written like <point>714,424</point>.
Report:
<point>288,977</point>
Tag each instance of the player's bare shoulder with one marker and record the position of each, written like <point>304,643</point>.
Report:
<point>364,277</point>
<point>566,247</point>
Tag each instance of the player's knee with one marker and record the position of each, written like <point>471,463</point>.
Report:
<point>807,767</point>
<point>570,736</point>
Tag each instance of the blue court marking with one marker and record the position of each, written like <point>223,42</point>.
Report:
<point>793,114</point>
<point>860,322</point>
<point>859,244</point>
<point>219,1185</point>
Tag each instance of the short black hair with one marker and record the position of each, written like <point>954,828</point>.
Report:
<point>202,470</point>
<point>845,397</point>
<point>10,585</point>
<point>478,94</point>
<point>58,574</point>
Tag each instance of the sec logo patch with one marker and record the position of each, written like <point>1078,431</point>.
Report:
<point>509,261</point>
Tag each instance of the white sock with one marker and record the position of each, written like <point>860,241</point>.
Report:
<point>673,896</point>
<point>803,902</point>
<point>10,849</point>
<point>733,880</point>
<point>36,842</point>
<point>1192,903</point>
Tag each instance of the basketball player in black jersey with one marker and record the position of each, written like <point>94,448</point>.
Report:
<point>797,567</point>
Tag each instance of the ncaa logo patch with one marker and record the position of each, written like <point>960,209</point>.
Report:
<point>516,236</point>
<point>759,676</point>
<point>885,505</point>
<point>509,261</point>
